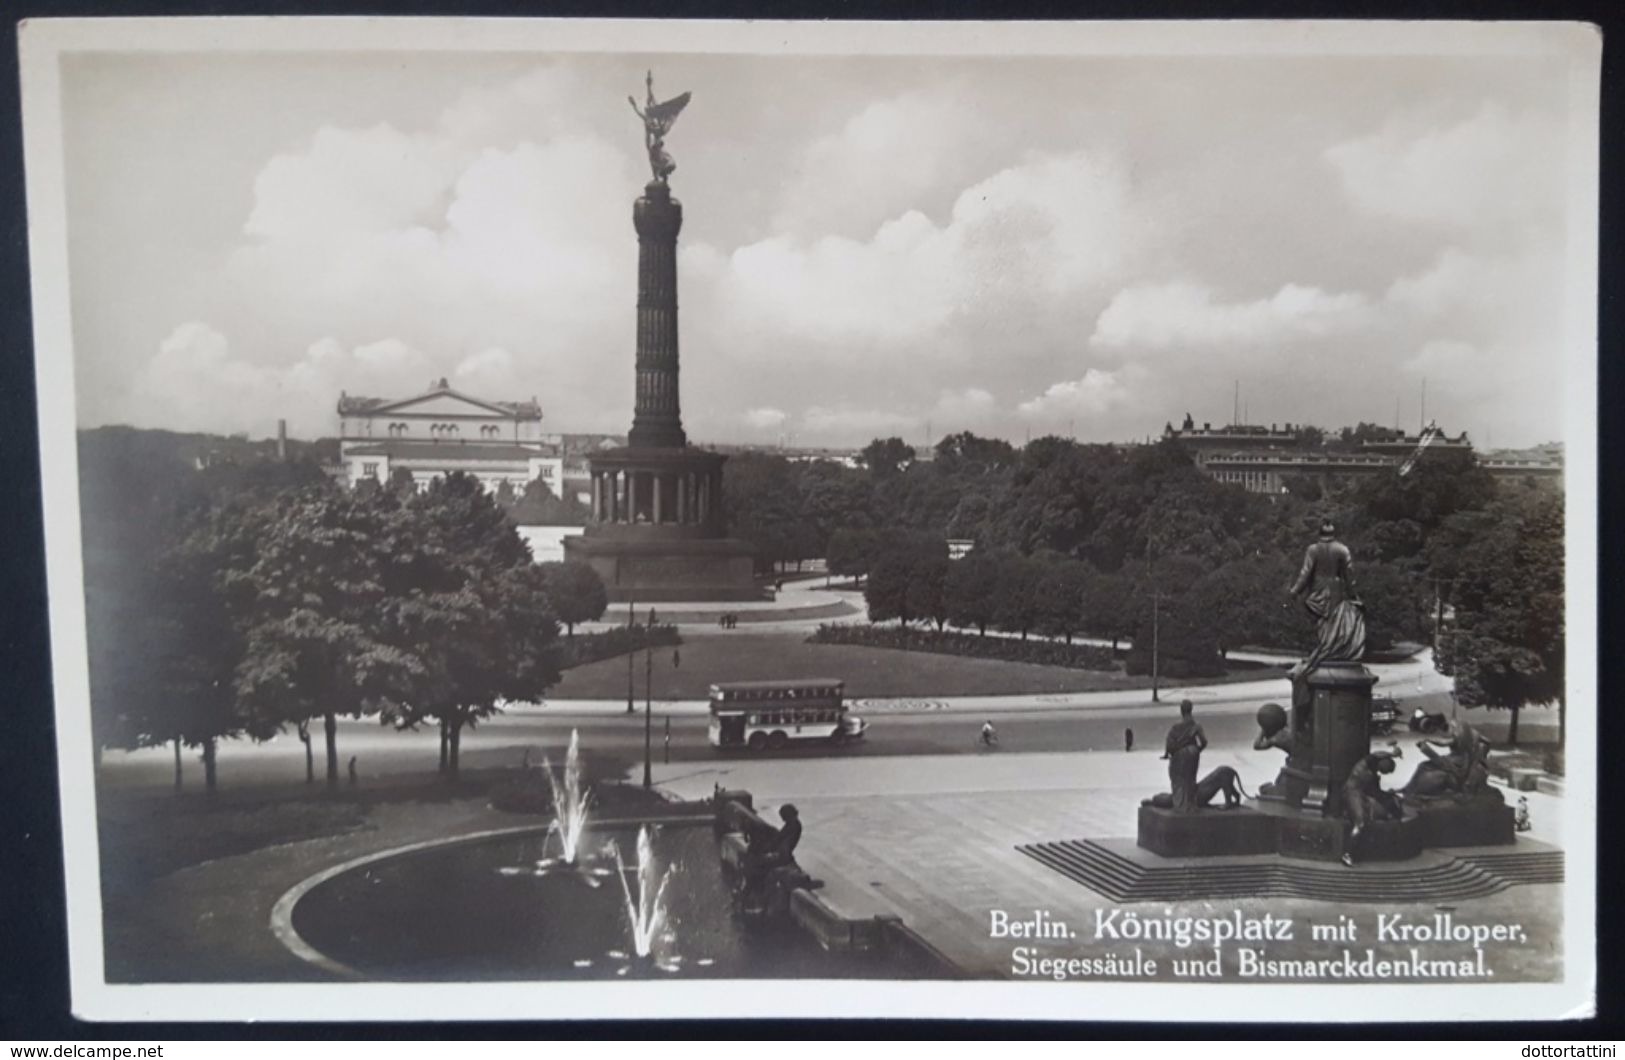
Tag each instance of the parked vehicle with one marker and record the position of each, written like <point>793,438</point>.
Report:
<point>1422,721</point>
<point>1385,715</point>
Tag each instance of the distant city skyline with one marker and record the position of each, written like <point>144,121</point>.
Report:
<point>1083,247</point>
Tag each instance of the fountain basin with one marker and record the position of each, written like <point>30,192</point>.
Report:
<point>449,912</point>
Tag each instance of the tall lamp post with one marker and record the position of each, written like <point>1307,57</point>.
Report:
<point>1156,637</point>
<point>631,652</point>
<point>1156,615</point>
<point>648,713</point>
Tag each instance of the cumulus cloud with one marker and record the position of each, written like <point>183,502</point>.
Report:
<point>765,418</point>
<point>888,259</point>
<point>1183,314</point>
<point>1490,169</point>
<point>1097,392</point>
<point>194,380</point>
<point>352,180</point>
<point>483,242</point>
<point>197,378</point>
<point>1050,225</point>
<point>964,407</point>
<point>887,159</point>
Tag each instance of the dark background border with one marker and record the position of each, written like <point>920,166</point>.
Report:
<point>34,1002</point>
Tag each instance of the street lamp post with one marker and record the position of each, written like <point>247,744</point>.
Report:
<point>631,652</point>
<point>648,714</point>
<point>1156,615</point>
<point>1156,637</point>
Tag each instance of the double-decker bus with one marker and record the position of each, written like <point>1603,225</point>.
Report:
<point>775,714</point>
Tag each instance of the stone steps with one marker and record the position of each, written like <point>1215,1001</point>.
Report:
<point>1133,879</point>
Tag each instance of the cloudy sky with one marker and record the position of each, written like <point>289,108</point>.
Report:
<point>1088,246</point>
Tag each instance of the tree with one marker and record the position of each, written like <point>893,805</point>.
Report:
<point>488,641</point>
<point>576,591</point>
<point>1396,603</point>
<point>1060,596</point>
<point>928,572</point>
<point>966,453</point>
<point>1242,603</point>
<point>1108,605</point>
<point>906,579</point>
<point>1439,485</point>
<point>538,505</point>
<point>162,651</point>
<point>762,495</point>
<point>304,576</point>
<point>1015,597</point>
<point>1505,646</point>
<point>402,481</point>
<point>969,590</point>
<point>465,601</point>
<point>886,592</point>
<point>1186,643</point>
<point>848,553</point>
<point>885,457</point>
<point>835,499</point>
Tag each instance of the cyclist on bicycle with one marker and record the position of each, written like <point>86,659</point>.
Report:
<point>990,735</point>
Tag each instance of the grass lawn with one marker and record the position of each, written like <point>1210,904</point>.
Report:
<point>868,672</point>
<point>147,834</point>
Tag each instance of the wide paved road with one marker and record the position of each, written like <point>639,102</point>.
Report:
<point>503,741</point>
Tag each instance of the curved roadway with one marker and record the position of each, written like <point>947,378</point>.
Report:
<point>927,724</point>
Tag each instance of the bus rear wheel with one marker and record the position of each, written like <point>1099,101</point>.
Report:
<point>777,741</point>
<point>757,741</point>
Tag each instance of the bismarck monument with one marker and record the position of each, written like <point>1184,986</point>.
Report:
<point>1328,801</point>
<point>659,531</point>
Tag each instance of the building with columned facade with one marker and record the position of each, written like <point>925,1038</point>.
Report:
<point>442,430</point>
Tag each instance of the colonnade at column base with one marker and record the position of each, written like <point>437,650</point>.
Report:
<point>668,570</point>
<point>658,530</point>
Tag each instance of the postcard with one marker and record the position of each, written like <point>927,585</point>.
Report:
<point>591,519</point>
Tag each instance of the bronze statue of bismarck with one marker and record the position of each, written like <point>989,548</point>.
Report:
<point>1325,586</point>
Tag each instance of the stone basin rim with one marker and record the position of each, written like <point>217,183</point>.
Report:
<point>282,912</point>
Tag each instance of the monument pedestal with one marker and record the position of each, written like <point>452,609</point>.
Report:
<point>1207,833</point>
<point>655,570</point>
<point>1300,815</point>
<point>1331,731</point>
<point>657,534</point>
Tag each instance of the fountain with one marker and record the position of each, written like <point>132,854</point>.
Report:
<point>570,801</point>
<point>646,914</point>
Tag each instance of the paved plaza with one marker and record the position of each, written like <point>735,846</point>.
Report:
<point>933,840</point>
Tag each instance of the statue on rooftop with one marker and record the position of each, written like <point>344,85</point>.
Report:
<point>658,119</point>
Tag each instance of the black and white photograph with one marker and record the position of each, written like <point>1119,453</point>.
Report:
<point>635,519</point>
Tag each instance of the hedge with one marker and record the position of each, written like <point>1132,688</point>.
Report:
<point>584,648</point>
<point>949,642</point>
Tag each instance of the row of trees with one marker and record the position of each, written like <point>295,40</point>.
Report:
<point>1202,614</point>
<point>247,600</point>
<point>1085,537</point>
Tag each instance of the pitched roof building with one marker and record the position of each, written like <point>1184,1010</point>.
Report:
<point>443,430</point>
